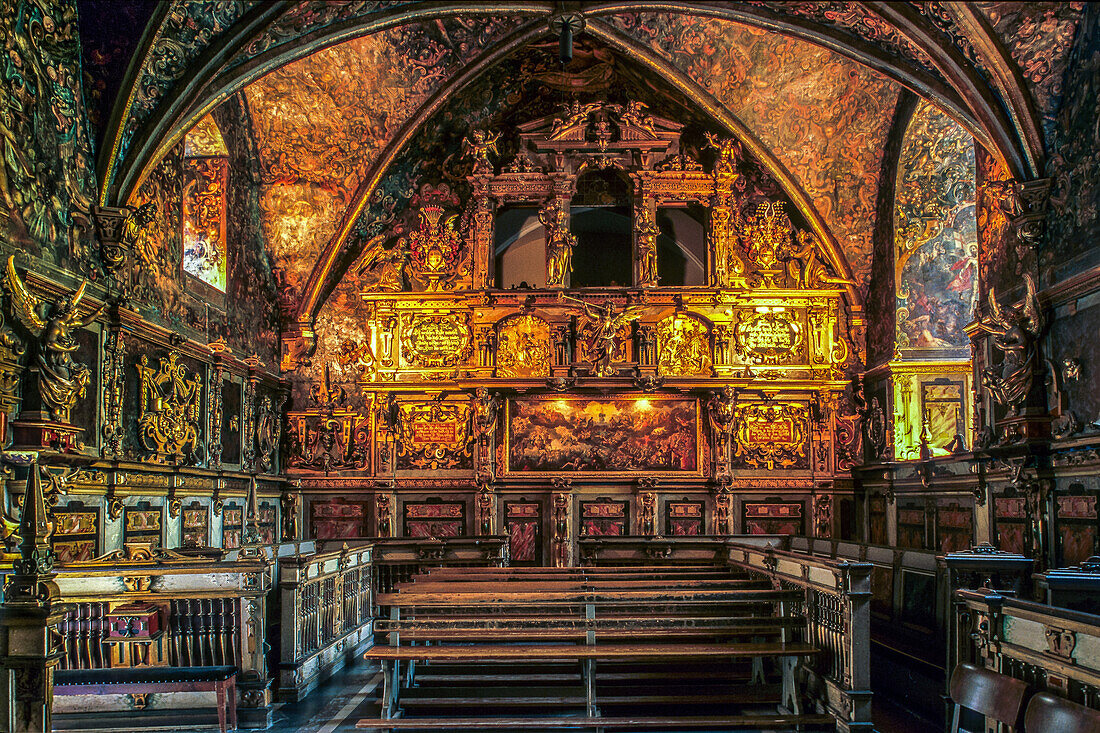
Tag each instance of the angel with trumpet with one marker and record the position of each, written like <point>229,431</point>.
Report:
<point>605,325</point>
<point>62,380</point>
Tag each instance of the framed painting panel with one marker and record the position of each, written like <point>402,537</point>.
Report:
<point>625,435</point>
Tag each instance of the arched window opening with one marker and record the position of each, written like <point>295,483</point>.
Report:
<point>935,278</point>
<point>519,248</point>
<point>205,177</point>
<point>602,220</point>
<point>682,246</point>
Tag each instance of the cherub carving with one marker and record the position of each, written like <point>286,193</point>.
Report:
<point>1015,331</point>
<point>137,235</point>
<point>729,155</point>
<point>62,380</point>
<point>478,146</point>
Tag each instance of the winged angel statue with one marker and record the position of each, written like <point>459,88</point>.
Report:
<point>1015,331</point>
<point>62,380</point>
<point>605,325</point>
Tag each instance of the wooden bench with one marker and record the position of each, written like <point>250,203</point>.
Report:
<point>614,615</point>
<point>144,680</point>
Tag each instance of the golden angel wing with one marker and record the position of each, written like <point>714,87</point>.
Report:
<point>373,253</point>
<point>995,313</point>
<point>1032,311</point>
<point>629,315</point>
<point>23,302</point>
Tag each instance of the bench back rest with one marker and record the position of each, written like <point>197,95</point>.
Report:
<point>995,696</point>
<point>1045,712</point>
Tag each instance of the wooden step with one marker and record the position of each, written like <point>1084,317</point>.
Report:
<point>773,722</point>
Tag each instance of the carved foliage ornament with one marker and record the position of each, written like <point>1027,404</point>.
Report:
<point>168,422</point>
<point>772,436</point>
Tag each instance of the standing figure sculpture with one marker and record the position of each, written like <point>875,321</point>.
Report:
<point>647,234</point>
<point>604,329</point>
<point>559,244</point>
<point>61,379</point>
<point>1015,331</point>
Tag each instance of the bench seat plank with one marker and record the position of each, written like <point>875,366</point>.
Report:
<point>548,598</point>
<point>639,652</point>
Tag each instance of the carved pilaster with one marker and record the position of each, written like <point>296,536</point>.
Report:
<point>215,412</point>
<point>562,539</point>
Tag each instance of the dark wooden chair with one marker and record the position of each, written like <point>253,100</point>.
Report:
<point>1047,713</point>
<point>995,696</point>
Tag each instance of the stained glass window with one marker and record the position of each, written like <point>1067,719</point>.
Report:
<point>205,175</point>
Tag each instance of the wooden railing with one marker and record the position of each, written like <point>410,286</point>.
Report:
<point>638,550</point>
<point>213,613</point>
<point>397,560</point>
<point>836,605</point>
<point>1052,649</point>
<point>326,615</point>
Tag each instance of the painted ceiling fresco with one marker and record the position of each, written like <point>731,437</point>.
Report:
<point>823,116</point>
<point>320,122</point>
<point>1039,37</point>
<point>1075,164</point>
<point>935,233</point>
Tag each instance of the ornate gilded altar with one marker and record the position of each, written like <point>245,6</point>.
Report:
<point>606,391</point>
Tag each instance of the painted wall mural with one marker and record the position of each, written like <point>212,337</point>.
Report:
<point>46,172</point>
<point>571,434</point>
<point>935,233</point>
<point>825,117</point>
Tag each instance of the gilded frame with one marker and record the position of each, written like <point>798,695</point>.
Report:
<point>698,452</point>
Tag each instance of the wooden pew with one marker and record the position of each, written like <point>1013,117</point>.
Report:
<point>629,615</point>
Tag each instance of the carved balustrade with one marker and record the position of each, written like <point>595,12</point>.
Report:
<point>212,612</point>
<point>836,606</point>
<point>325,615</point>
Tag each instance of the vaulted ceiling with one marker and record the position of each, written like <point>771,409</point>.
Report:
<point>354,105</point>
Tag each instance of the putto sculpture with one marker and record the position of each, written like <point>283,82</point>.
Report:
<point>62,380</point>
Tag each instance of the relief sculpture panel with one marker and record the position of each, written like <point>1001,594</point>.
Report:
<point>523,347</point>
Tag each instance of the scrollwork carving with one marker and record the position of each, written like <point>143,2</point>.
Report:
<point>168,419</point>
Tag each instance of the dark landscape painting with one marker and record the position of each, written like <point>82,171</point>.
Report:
<point>569,435</point>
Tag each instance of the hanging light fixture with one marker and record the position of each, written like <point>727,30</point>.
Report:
<point>566,25</point>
